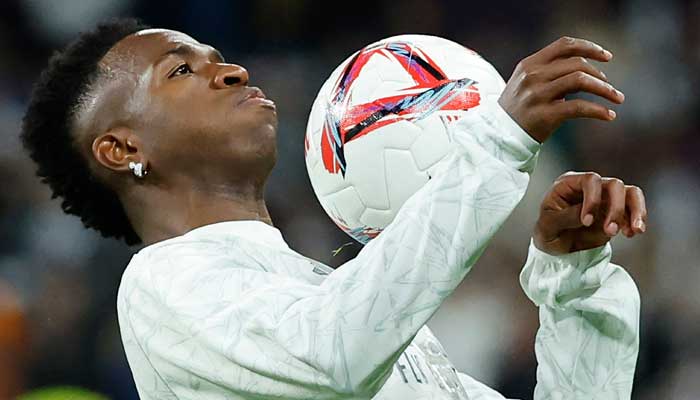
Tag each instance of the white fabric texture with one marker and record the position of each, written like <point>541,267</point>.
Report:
<point>588,340</point>
<point>229,311</point>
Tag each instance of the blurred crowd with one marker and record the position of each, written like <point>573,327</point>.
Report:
<point>58,282</point>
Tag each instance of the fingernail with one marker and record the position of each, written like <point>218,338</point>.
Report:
<point>614,229</point>
<point>612,114</point>
<point>603,75</point>
<point>640,225</point>
<point>620,94</point>
<point>607,54</point>
<point>588,219</point>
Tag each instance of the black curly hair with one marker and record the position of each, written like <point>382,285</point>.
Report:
<point>47,130</point>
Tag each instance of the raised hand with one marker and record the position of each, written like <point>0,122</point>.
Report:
<point>535,94</point>
<point>582,211</point>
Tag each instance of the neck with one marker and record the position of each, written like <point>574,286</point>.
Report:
<point>162,215</point>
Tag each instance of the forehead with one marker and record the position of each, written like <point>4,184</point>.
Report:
<point>142,48</point>
<point>129,66</point>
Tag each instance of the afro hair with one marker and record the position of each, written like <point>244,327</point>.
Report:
<point>48,124</point>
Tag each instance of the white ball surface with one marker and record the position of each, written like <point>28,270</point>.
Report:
<point>380,124</point>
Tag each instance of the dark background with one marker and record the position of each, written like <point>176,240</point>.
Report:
<point>58,282</point>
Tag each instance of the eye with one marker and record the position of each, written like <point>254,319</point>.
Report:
<point>181,70</point>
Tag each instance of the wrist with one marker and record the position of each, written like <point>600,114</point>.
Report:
<point>575,257</point>
<point>500,116</point>
<point>515,114</point>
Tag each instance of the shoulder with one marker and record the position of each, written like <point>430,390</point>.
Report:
<point>157,266</point>
<point>186,270</point>
<point>184,255</point>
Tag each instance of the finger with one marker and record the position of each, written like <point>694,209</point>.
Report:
<point>569,47</point>
<point>627,231</point>
<point>571,186</point>
<point>637,209</point>
<point>580,81</point>
<point>578,108</point>
<point>616,194</point>
<point>565,66</point>
<point>625,226</point>
<point>552,222</point>
<point>591,185</point>
<point>590,238</point>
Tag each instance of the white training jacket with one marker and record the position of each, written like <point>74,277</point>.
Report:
<point>229,311</point>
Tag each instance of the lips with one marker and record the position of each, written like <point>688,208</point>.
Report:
<point>255,94</point>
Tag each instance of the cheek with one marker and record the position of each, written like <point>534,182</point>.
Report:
<point>190,131</point>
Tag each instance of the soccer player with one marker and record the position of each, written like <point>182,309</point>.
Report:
<point>150,136</point>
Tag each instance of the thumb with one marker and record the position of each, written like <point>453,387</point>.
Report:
<point>553,222</point>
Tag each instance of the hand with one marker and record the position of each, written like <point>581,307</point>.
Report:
<point>534,94</point>
<point>583,211</point>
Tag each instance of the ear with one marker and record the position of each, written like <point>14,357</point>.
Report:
<point>116,148</point>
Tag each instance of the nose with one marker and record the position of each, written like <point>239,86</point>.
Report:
<point>230,75</point>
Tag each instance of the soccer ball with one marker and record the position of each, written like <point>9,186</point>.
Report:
<point>381,122</point>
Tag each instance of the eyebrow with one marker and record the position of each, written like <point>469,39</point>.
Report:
<point>186,50</point>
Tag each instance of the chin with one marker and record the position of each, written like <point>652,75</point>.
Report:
<point>253,136</point>
<point>260,147</point>
<point>261,122</point>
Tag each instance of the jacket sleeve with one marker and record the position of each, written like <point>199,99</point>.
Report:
<point>588,339</point>
<point>344,335</point>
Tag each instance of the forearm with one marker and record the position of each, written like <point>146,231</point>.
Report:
<point>399,279</point>
<point>588,340</point>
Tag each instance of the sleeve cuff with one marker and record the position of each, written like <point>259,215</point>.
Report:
<point>556,280</point>
<point>510,136</point>
<point>501,118</point>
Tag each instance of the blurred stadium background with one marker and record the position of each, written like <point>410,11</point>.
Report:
<point>58,282</point>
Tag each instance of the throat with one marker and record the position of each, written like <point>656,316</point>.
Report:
<point>167,216</point>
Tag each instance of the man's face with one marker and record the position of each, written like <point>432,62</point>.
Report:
<point>194,113</point>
